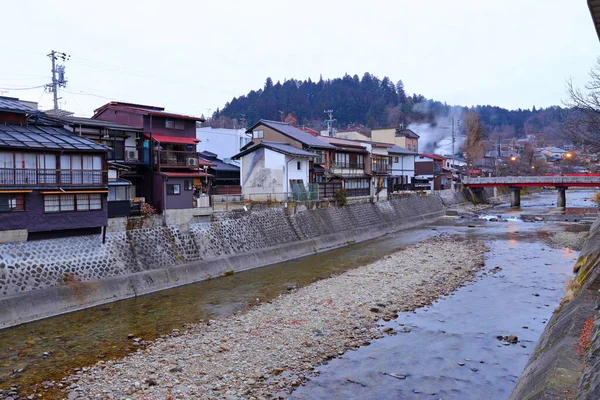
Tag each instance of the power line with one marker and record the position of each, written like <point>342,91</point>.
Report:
<point>26,88</point>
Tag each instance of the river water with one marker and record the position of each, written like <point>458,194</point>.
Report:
<point>457,329</point>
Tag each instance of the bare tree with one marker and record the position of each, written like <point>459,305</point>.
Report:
<point>473,142</point>
<point>583,125</point>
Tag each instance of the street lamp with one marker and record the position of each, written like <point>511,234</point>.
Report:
<point>569,156</point>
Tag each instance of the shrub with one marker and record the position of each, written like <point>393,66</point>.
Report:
<point>147,210</point>
<point>596,198</point>
<point>341,197</point>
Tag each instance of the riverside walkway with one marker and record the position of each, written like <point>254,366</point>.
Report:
<point>515,183</point>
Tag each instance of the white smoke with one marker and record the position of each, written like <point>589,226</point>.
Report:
<point>436,138</point>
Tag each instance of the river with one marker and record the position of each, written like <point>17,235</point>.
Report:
<point>458,329</point>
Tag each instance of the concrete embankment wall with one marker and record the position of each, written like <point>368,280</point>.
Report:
<point>50,277</point>
<point>560,368</point>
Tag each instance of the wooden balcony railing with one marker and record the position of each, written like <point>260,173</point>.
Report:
<point>19,177</point>
<point>381,168</point>
<point>174,158</point>
<point>348,165</point>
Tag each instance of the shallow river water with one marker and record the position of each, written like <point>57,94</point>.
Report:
<point>459,329</point>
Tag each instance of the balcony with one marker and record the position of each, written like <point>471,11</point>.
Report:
<point>30,178</point>
<point>130,155</point>
<point>173,158</point>
<point>380,168</point>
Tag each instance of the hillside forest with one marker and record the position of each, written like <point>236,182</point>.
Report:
<point>369,102</point>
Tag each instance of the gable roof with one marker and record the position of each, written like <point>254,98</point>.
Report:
<point>407,133</point>
<point>279,147</point>
<point>292,132</point>
<point>144,110</point>
<point>13,105</point>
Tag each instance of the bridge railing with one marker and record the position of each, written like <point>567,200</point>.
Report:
<point>552,180</point>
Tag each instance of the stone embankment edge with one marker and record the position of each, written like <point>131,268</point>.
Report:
<point>555,370</point>
<point>36,305</point>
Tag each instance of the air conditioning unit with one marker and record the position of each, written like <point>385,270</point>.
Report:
<point>132,155</point>
<point>192,162</point>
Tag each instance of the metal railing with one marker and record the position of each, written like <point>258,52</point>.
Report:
<point>18,177</point>
<point>227,202</point>
<point>178,158</point>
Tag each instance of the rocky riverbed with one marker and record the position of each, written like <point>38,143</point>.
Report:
<point>274,347</point>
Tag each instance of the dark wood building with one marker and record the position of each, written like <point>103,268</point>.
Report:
<point>50,178</point>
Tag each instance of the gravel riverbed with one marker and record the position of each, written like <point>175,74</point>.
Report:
<point>274,347</point>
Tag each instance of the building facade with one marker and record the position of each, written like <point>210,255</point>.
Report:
<point>51,180</point>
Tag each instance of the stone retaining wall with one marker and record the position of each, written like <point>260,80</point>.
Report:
<point>557,370</point>
<point>39,279</point>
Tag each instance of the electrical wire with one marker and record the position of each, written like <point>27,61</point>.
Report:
<point>27,88</point>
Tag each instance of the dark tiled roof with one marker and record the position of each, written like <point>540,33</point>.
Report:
<point>279,147</point>
<point>219,165</point>
<point>11,104</point>
<point>98,123</point>
<point>145,110</point>
<point>408,133</point>
<point>395,149</point>
<point>288,149</point>
<point>291,131</point>
<point>45,137</point>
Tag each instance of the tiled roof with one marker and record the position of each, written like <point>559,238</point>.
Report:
<point>13,105</point>
<point>145,110</point>
<point>433,157</point>
<point>408,133</point>
<point>45,137</point>
<point>217,164</point>
<point>395,149</point>
<point>98,123</point>
<point>291,131</point>
<point>279,147</point>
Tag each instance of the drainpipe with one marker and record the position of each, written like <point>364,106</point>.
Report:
<point>286,177</point>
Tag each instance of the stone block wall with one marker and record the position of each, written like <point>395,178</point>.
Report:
<point>38,265</point>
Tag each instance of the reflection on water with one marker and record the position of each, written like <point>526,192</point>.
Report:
<point>84,337</point>
<point>452,350</point>
<point>49,349</point>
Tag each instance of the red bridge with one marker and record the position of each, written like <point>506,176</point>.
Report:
<point>560,182</point>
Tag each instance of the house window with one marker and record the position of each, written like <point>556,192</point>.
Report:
<point>187,185</point>
<point>12,202</point>
<point>169,124</point>
<point>320,158</point>
<point>396,159</point>
<point>342,159</point>
<point>360,161</point>
<point>298,165</point>
<point>71,202</point>
<point>77,169</point>
<point>258,134</point>
<point>173,188</point>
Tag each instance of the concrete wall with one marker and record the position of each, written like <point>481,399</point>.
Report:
<point>44,278</point>
<point>556,370</point>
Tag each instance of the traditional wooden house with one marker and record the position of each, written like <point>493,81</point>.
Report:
<point>51,180</point>
<point>167,180</point>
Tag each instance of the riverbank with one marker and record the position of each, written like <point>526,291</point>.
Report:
<point>275,346</point>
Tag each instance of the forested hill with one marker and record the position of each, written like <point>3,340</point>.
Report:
<point>373,102</point>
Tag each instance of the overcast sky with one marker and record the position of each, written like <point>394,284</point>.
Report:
<point>194,56</point>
